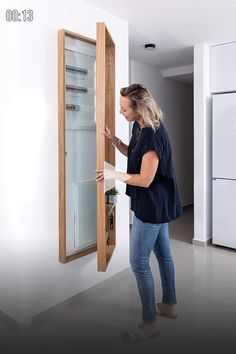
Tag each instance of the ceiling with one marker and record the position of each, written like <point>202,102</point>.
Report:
<point>174,26</point>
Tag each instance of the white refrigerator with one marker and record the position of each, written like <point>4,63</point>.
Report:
<point>224,169</point>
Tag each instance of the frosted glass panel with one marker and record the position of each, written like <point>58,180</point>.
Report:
<point>80,188</point>
<point>80,86</point>
<point>80,145</point>
<point>85,217</point>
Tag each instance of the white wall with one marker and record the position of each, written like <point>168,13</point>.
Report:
<point>176,101</point>
<point>202,145</point>
<point>31,277</point>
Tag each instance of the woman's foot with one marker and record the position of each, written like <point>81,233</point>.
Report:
<point>142,332</point>
<point>150,329</point>
<point>166,310</point>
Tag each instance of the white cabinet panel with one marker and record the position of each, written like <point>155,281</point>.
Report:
<point>224,211</point>
<point>224,136</point>
<point>223,67</point>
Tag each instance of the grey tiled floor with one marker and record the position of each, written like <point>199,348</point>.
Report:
<point>206,292</point>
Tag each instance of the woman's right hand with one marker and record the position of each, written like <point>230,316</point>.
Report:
<point>109,135</point>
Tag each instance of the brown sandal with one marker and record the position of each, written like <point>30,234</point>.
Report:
<point>135,335</point>
<point>165,312</point>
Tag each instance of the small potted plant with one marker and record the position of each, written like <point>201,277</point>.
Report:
<point>111,196</point>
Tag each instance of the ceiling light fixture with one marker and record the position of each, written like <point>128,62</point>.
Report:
<point>150,46</point>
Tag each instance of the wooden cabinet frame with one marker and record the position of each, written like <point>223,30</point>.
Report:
<point>105,114</point>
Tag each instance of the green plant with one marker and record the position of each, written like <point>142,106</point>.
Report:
<point>112,191</point>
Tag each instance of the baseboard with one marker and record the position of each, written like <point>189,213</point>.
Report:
<point>85,296</point>
<point>202,243</point>
<point>187,206</point>
<point>10,322</point>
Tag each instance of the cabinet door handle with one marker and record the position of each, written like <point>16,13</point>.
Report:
<point>111,221</point>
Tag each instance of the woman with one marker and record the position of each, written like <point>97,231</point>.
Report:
<point>151,185</point>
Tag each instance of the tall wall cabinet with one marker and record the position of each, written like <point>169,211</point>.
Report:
<point>86,96</point>
<point>223,89</point>
<point>223,68</point>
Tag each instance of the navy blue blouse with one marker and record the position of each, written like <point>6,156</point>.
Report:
<point>160,202</point>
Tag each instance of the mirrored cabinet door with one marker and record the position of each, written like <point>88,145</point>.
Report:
<point>86,104</point>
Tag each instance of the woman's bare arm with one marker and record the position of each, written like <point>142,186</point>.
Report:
<point>147,173</point>
<point>114,140</point>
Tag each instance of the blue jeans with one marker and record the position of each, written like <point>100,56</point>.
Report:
<point>147,237</point>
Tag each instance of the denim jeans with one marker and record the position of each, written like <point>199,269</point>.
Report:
<point>147,237</point>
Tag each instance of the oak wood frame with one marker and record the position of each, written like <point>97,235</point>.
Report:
<point>105,114</point>
<point>63,258</point>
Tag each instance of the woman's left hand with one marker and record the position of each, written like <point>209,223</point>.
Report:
<point>99,175</point>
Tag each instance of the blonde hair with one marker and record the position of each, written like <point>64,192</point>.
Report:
<point>144,104</point>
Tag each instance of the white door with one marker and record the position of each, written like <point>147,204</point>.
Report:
<point>224,213</point>
<point>224,136</point>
